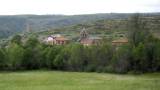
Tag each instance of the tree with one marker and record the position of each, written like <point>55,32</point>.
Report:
<point>33,57</point>
<point>76,60</point>
<point>156,57</point>
<point>101,56</point>
<point>15,55</point>
<point>31,42</point>
<point>16,39</point>
<point>50,54</point>
<point>122,59</point>
<point>140,62</point>
<point>60,61</point>
<point>138,30</point>
<point>2,60</point>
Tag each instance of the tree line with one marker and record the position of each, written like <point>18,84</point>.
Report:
<point>141,54</point>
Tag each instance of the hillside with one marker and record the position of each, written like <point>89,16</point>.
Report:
<point>108,28</point>
<point>10,25</point>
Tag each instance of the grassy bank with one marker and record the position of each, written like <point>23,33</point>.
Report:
<point>54,80</point>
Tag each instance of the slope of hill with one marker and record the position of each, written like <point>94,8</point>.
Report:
<point>10,25</point>
<point>108,28</point>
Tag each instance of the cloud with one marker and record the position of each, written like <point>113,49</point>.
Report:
<point>70,7</point>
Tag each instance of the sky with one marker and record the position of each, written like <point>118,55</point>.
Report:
<point>74,7</point>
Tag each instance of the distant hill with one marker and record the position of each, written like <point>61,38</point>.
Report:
<point>10,25</point>
<point>107,28</point>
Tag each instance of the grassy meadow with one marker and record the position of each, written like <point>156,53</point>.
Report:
<point>56,80</point>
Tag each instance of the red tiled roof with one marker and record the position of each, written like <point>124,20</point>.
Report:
<point>61,38</point>
<point>120,41</point>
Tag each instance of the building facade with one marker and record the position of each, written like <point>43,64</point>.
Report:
<point>57,40</point>
<point>87,40</point>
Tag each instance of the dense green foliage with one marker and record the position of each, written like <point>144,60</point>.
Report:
<point>140,55</point>
<point>76,57</point>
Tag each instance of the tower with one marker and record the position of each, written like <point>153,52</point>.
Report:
<point>83,33</point>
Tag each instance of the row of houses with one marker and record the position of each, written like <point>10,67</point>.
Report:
<point>84,39</point>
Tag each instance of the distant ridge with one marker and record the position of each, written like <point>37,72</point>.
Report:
<point>12,24</point>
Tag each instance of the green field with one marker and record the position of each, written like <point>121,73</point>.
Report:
<point>55,80</point>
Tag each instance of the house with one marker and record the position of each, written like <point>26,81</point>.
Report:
<point>120,41</point>
<point>49,40</point>
<point>90,41</point>
<point>57,39</point>
<point>61,40</point>
<point>87,40</point>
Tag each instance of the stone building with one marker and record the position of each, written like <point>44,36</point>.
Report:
<point>57,40</point>
<point>87,40</point>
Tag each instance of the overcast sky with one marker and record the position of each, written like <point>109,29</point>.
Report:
<point>71,7</point>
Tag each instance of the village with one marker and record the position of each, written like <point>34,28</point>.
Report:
<point>84,39</point>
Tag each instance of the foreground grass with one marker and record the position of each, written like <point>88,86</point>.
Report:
<point>54,80</point>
